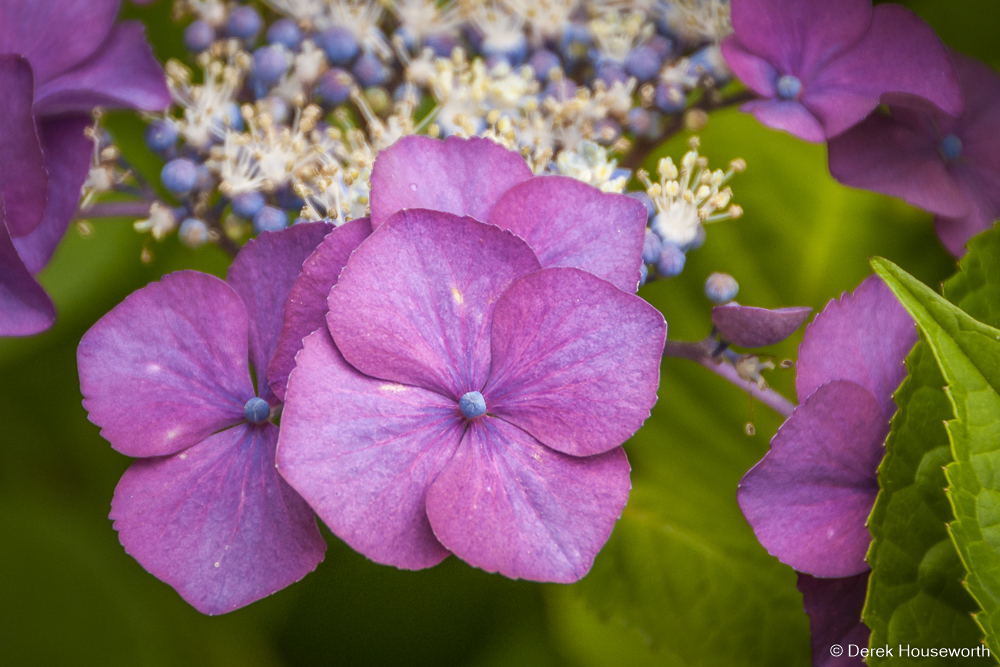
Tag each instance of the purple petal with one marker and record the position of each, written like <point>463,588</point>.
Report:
<point>507,504</point>
<point>306,308</point>
<point>168,366</point>
<point>68,153</point>
<point>56,34</point>
<point>862,337</point>
<point>569,223</point>
<point>576,361</point>
<point>22,179</point>
<point>758,74</point>
<point>217,522</point>
<point>362,452</point>
<point>899,54</point>
<point>834,607</point>
<point>263,274</point>
<point>749,327</point>
<point>122,73</point>
<point>25,308</point>
<point>789,116</point>
<point>460,176</point>
<point>809,498</point>
<point>415,302</point>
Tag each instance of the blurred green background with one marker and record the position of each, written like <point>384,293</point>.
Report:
<point>682,581</point>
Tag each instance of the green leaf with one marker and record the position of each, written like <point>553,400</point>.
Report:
<point>968,355</point>
<point>976,287</point>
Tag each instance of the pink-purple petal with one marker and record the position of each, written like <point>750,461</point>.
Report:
<point>809,498</point>
<point>787,115</point>
<point>363,452</point>
<point>168,366</point>
<point>576,361</point>
<point>758,74</point>
<point>122,73</point>
<point>862,337</point>
<point>569,223</point>
<point>508,504</point>
<point>415,302</point>
<point>834,607</point>
<point>748,326</point>
<point>22,179</point>
<point>25,308</point>
<point>306,308</point>
<point>217,522</point>
<point>460,176</point>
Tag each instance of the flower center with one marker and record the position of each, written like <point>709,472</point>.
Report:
<point>951,147</point>
<point>472,405</point>
<point>789,87</point>
<point>256,410</point>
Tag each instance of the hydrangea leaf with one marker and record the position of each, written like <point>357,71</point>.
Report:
<point>968,354</point>
<point>976,287</point>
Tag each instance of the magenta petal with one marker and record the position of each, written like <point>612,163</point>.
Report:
<point>809,498</point>
<point>217,522</point>
<point>168,366</point>
<point>22,178</point>
<point>834,607</point>
<point>68,153</point>
<point>576,361</point>
<point>415,302</point>
<point>569,223</point>
<point>263,274</point>
<point>55,34</point>
<point>362,452</point>
<point>758,74</point>
<point>789,116</point>
<point>25,308</point>
<point>460,176</point>
<point>862,337</point>
<point>122,73</point>
<point>508,504</point>
<point>748,326</point>
<point>306,308</point>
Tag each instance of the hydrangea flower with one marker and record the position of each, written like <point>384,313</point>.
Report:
<point>427,416</point>
<point>58,60</point>
<point>821,66</point>
<point>808,499</point>
<point>166,377</point>
<point>947,165</point>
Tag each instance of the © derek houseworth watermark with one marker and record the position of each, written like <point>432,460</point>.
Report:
<point>907,651</point>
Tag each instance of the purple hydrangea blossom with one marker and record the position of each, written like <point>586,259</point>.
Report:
<point>822,66</point>
<point>166,377</point>
<point>58,60</point>
<point>749,326</point>
<point>809,498</point>
<point>947,165</point>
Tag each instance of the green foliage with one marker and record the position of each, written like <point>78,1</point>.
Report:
<point>976,287</point>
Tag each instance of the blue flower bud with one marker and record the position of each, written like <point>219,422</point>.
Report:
<point>160,135</point>
<point>369,71</point>
<point>609,72</point>
<point>951,147</point>
<point>647,202</point>
<point>441,45</point>
<point>607,131</point>
<point>286,33</point>
<point>339,45</point>
<point>643,62</point>
<point>670,263</point>
<point>269,219</point>
<point>231,117</point>
<point>670,98</point>
<point>651,247</point>
<point>708,61</point>
<point>334,87</point>
<point>287,199</point>
<point>543,61</point>
<point>269,64</point>
<point>643,123</point>
<point>256,410</point>
<point>560,89</point>
<point>244,23</point>
<point>721,288</point>
<point>575,42</point>
<point>193,233</point>
<point>198,36</point>
<point>643,274</point>
<point>789,87</point>
<point>248,204</point>
<point>664,46</point>
<point>513,52</point>
<point>179,176</point>
<point>472,405</point>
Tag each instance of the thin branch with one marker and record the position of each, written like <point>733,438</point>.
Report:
<point>138,208</point>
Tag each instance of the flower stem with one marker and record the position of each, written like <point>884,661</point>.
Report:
<point>115,209</point>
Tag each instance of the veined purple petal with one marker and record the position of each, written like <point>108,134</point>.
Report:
<point>23,179</point>
<point>787,115</point>
<point>460,176</point>
<point>217,522</point>
<point>306,308</point>
<point>834,607</point>
<point>262,275</point>
<point>363,451</point>
<point>67,153</point>
<point>415,302</point>
<point>808,499</point>
<point>168,366</point>
<point>750,327</point>
<point>25,308</point>
<point>122,73</point>
<point>569,223</point>
<point>862,337</point>
<point>506,503</point>
<point>576,361</point>
<point>758,74</point>
<point>54,35</point>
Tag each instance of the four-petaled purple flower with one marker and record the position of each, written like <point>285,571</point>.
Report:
<point>58,60</point>
<point>470,386</point>
<point>823,66</point>
<point>946,165</point>
<point>166,377</point>
<point>808,499</point>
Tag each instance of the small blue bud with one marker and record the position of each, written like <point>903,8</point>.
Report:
<point>334,87</point>
<point>670,263</point>
<point>287,199</point>
<point>270,219</point>
<point>496,60</point>
<point>643,123</point>
<point>409,39</point>
<point>575,42</point>
<point>256,410</point>
<point>643,62</point>
<point>643,274</point>
<point>472,405</point>
<point>179,176</point>
<point>647,202</point>
<point>789,87</point>
<point>513,52</point>
<point>651,247</point>
<point>721,288</point>
<point>611,72</point>
<point>248,204</point>
<point>286,33</point>
<point>244,23</point>
<point>699,239</point>
<point>708,61</point>
<point>198,36</point>
<point>561,89</point>
<point>951,147</point>
<point>607,131</point>
<point>543,61</point>
<point>670,98</point>
<point>369,71</point>
<point>193,233</point>
<point>270,64</point>
<point>339,45</point>
<point>160,135</point>
<point>231,116</point>
<point>664,46</point>
<point>441,45</point>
